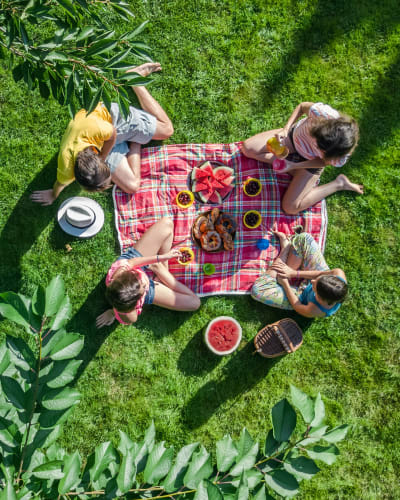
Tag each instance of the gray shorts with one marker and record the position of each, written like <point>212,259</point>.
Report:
<point>139,126</point>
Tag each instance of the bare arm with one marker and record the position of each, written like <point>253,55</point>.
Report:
<point>144,261</point>
<point>316,163</point>
<point>300,110</point>
<point>108,145</point>
<point>286,272</point>
<point>309,310</point>
<point>127,174</point>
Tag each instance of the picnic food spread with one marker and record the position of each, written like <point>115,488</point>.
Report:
<point>186,256</point>
<point>214,231</point>
<point>212,182</point>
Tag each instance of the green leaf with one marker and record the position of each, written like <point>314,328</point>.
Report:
<point>200,468</point>
<point>54,294</point>
<point>63,314</point>
<point>271,444</point>
<point>247,453</point>
<point>123,104</point>
<point>39,296</point>
<point>63,373</point>
<point>208,491</point>
<point>125,443</point>
<point>95,100</point>
<point>18,72</point>
<point>117,58</point>
<point>336,434</point>
<point>14,392</point>
<point>100,47</point>
<point>326,454</point>
<point>71,470</point>
<point>24,35</point>
<point>174,479</point>
<point>4,357</point>
<point>282,483</point>
<point>262,494</point>
<point>315,435</point>
<point>135,32</point>
<point>51,340</point>
<point>85,33</point>
<point>252,478</point>
<point>283,420</point>
<point>303,403</point>
<point>68,6</point>
<point>49,470</point>
<point>319,411</point>
<point>150,436</point>
<point>50,418</point>
<point>127,472</point>
<point>7,438</point>
<point>8,493</point>
<point>69,346</point>
<point>20,353</point>
<point>226,453</point>
<point>13,308</point>
<point>87,94</point>
<point>134,79</point>
<point>301,467</point>
<point>60,400</point>
<point>106,99</point>
<point>158,463</point>
<point>123,11</point>
<point>69,88</point>
<point>56,56</point>
<point>104,454</point>
<point>242,492</point>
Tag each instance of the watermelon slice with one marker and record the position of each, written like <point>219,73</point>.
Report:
<point>216,184</point>
<point>201,185</point>
<point>198,174</point>
<point>205,195</point>
<point>227,181</point>
<point>225,191</point>
<point>207,169</point>
<point>222,172</point>
<point>215,198</point>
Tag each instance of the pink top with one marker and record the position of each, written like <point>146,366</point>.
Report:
<point>304,143</point>
<point>142,277</point>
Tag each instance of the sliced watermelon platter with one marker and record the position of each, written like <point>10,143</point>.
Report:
<point>212,182</point>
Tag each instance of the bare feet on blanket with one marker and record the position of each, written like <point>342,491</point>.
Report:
<point>283,239</point>
<point>146,69</point>
<point>344,184</point>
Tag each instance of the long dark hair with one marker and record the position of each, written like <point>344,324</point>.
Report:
<point>331,289</point>
<point>335,137</point>
<point>124,291</point>
<point>91,171</point>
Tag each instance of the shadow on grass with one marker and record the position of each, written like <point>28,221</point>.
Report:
<point>242,372</point>
<point>329,21</point>
<point>23,228</point>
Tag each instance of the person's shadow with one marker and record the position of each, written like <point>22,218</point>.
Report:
<point>23,227</point>
<point>242,372</point>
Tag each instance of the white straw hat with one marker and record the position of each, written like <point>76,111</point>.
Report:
<point>82,217</point>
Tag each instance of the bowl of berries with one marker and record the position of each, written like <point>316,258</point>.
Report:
<point>252,187</point>
<point>186,256</point>
<point>252,219</point>
<point>184,199</point>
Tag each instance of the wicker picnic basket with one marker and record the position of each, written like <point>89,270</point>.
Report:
<point>282,337</point>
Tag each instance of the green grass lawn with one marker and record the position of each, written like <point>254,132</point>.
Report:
<point>232,69</point>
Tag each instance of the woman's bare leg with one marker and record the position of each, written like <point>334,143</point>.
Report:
<point>127,174</point>
<point>256,147</point>
<point>157,239</point>
<point>302,192</point>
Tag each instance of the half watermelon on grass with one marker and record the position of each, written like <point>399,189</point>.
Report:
<point>223,335</point>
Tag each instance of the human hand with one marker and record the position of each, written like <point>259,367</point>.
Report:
<point>105,319</point>
<point>283,270</point>
<point>174,253</point>
<point>45,197</point>
<point>281,281</point>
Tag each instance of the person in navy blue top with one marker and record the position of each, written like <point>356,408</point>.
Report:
<point>320,291</point>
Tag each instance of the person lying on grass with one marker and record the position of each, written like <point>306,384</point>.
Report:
<point>320,293</point>
<point>88,140</point>
<point>323,137</point>
<point>129,288</point>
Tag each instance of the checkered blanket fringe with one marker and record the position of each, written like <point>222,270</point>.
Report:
<point>165,172</point>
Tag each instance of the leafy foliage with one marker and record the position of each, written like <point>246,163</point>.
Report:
<point>35,401</point>
<point>82,61</point>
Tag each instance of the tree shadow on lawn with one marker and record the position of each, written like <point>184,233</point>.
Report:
<point>23,227</point>
<point>240,374</point>
<point>330,21</point>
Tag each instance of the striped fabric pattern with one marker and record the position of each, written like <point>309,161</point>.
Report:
<point>165,172</point>
<point>306,145</point>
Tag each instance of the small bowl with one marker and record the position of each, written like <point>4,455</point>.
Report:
<point>247,182</point>
<point>183,205</point>
<point>190,252</point>
<point>208,269</point>
<point>252,212</point>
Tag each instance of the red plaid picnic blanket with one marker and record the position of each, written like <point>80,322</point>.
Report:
<point>165,172</point>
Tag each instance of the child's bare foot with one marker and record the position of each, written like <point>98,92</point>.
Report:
<point>345,184</point>
<point>283,239</point>
<point>145,69</point>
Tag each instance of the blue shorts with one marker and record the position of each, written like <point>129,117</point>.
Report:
<point>130,254</point>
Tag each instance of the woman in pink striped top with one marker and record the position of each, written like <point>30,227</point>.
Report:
<point>323,137</point>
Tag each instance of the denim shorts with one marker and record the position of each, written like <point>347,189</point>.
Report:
<point>130,254</point>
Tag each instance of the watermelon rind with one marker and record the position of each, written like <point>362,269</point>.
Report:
<point>227,171</point>
<point>208,328</point>
<point>201,185</point>
<point>205,195</point>
<point>215,198</point>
